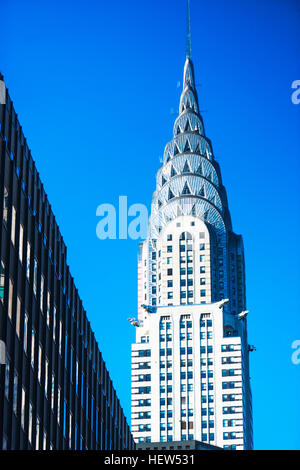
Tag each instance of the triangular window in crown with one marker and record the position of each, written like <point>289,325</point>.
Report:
<point>168,158</point>
<point>197,149</point>
<point>199,170</point>
<point>202,191</point>
<point>176,149</point>
<point>187,147</point>
<point>170,195</point>
<point>186,189</point>
<point>209,176</point>
<point>186,168</point>
<point>159,203</point>
<point>187,127</point>
<point>173,172</point>
<point>178,130</point>
<point>163,180</point>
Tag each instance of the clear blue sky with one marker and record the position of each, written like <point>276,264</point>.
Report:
<point>94,82</point>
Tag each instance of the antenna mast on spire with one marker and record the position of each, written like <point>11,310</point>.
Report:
<point>188,33</point>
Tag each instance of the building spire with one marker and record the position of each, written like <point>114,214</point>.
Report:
<point>188,33</point>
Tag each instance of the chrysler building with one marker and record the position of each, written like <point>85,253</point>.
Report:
<point>190,361</point>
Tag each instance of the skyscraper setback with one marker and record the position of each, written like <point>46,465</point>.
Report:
<point>190,361</point>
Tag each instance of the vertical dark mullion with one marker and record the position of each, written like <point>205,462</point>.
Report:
<point>3,241</point>
<point>19,293</point>
<point>27,301</point>
<point>10,332</point>
<point>35,315</point>
<point>4,234</point>
<point>59,405</point>
<point>43,326</point>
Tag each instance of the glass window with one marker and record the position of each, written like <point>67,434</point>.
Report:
<point>30,423</point>
<point>46,376</point>
<point>42,293</point>
<point>32,346</point>
<point>21,243</point>
<point>5,205</point>
<point>54,322</point>
<point>10,298</point>
<point>40,363</point>
<point>13,225</point>
<point>18,316</point>
<point>48,308</point>
<point>35,276</point>
<point>25,332</point>
<point>15,393</point>
<point>37,431</point>
<point>28,260</point>
<point>23,407</point>
<point>2,280</point>
<point>7,370</point>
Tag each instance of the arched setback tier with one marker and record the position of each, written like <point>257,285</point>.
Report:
<point>187,163</point>
<point>182,187</point>
<point>187,142</point>
<point>188,121</point>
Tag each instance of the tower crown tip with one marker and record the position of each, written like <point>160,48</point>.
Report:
<point>188,32</point>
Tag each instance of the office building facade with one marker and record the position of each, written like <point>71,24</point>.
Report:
<point>55,391</point>
<point>190,361</point>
